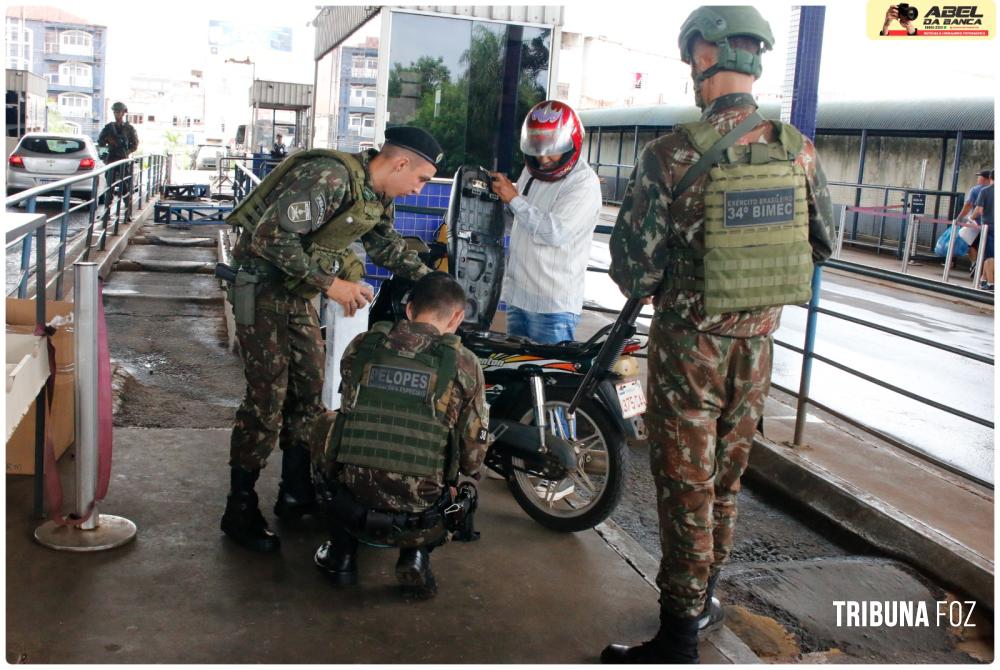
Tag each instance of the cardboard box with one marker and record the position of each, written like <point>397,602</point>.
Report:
<point>21,445</point>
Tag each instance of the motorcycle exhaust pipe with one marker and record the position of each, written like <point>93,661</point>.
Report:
<point>595,463</point>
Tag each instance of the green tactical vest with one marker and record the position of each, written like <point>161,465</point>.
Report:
<point>326,246</point>
<point>756,226</point>
<point>397,421</point>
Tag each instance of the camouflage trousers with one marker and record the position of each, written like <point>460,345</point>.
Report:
<point>706,395</point>
<point>371,488</point>
<point>283,359</point>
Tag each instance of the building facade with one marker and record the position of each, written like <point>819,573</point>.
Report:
<point>346,94</point>
<point>69,53</point>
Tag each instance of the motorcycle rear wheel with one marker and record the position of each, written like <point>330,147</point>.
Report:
<point>597,483</point>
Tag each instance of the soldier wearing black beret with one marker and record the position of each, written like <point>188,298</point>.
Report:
<point>296,229</point>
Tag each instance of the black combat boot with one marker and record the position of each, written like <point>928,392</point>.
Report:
<point>296,496</point>
<point>338,557</point>
<point>413,570</point>
<point>675,642</point>
<point>242,520</point>
<point>713,615</point>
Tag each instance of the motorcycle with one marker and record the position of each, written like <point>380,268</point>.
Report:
<point>560,414</point>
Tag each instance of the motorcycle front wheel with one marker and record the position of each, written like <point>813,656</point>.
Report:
<point>587,495</point>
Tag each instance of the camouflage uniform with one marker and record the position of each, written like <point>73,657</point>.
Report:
<point>708,374</point>
<point>283,352</point>
<point>393,492</point>
<point>120,141</point>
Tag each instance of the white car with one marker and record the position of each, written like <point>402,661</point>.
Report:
<point>208,156</point>
<point>43,158</point>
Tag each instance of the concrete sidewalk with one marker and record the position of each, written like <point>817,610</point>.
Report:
<point>911,509</point>
<point>182,593</point>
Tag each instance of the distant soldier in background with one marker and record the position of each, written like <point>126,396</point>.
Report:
<point>118,136</point>
<point>720,225</point>
<point>120,140</point>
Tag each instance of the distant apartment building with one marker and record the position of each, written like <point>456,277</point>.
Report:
<point>70,53</point>
<point>158,105</point>
<point>345,114</point>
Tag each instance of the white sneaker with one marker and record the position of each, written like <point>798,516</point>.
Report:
<point>559,489</point>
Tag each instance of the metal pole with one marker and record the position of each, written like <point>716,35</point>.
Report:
<point>99,531</point>
<point>911,222</point>
<point>85,277</point>
<point>807,358</point>
<point>984,231</point>
<point>40,318</point>
<point>840,233</point>
<point>951,250</point>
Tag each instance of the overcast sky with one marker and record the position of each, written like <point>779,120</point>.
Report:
<point>151,37</point>
<point>852,65</point>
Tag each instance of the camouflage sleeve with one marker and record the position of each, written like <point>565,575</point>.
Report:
<point>308,195</point>
<point>386,247</point>
<point>822,231</point>
<point>346,364</point>
<point>102,139</point>
<point>638,243</point>
<point>473,420</point>
<point>133,138</point>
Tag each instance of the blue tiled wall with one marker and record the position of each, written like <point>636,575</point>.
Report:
<point>415,225</point>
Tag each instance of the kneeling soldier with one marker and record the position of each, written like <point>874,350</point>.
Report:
<point>413,415</point>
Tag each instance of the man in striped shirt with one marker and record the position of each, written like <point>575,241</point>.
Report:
<point>555,203</point>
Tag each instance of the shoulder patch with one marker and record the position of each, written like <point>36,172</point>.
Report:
<point>296,212</point>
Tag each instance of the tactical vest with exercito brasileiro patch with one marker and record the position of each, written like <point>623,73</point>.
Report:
<point>756,221</point>
<point>397,421</point>
<point>326,245</point>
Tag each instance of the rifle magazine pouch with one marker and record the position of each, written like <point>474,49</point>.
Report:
<point>244,295</point>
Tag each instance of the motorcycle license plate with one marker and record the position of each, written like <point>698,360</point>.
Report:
<point>631,398</point>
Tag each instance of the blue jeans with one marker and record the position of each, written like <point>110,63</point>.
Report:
<point>549,328</point>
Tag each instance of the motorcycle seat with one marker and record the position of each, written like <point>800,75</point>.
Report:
<point>503,343</point>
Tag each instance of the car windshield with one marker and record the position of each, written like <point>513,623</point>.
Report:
<point>52,145</point>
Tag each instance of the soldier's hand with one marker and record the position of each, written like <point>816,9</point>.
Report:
<point>350,295</point>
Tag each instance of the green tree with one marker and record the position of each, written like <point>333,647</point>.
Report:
<point>177,149</point>
<point>56,123</point>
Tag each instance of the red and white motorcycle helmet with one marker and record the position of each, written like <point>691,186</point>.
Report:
<point>551,128</point>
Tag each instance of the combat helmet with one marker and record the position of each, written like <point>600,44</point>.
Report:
<point>717,24</point>
<point>119,107</point>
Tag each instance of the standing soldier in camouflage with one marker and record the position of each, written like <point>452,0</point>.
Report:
<point>296,228</point>
<point>721,223</point>
<point>121,140</point>
<point>413,415</point>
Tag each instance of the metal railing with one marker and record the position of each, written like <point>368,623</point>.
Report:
<point>912,223</point>
<point>117,187</point>
<point>809,355</point>
<point>875,207</point>
<point>244,181</point>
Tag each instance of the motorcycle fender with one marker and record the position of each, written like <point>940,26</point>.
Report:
<point>521,441</point>
<point>634,427</point>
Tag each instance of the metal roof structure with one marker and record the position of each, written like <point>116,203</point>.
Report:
<point>917,118</point>
<point>334,24</point>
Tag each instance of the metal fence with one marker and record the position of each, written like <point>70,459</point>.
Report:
<point>115,190</point>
